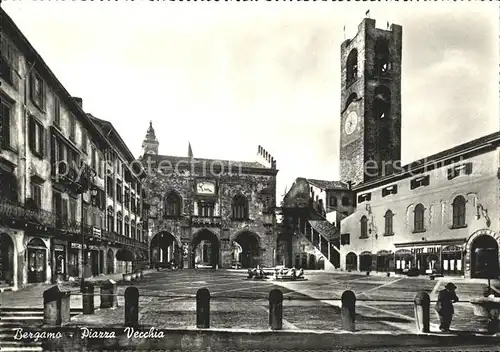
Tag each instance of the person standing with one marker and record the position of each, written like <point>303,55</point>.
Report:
<point>444,306</point>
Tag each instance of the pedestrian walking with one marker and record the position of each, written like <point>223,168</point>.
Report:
<point>444,306</point>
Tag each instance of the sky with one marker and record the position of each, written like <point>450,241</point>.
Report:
<point>230,76</point>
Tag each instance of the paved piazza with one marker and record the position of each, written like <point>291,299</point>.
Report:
<point>168,300</point>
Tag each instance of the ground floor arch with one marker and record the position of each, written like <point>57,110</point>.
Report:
<point>205,249</point>
<point>164,248</point>
<point>7,255</point>
<point>365,261</point>
<point>249,257</point>
<point>483,254</point>
<point>351,261</point>
<point>37,260</point>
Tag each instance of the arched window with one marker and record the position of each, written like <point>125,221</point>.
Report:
<point>119,224</point>
<point>364,227</point>
<point>352,97</point>
<point>173,204</point>
<point>352,67</point>
<point>382,63</point>
<point>133,229</point>
<point>127,226</point>
<point>459,211</point>
<point>388,223</point>
<point>418,225</point>
<point>110,219</point>
<point>345,201</point>
<point>240,207</point>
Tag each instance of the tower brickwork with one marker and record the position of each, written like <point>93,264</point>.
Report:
<point>370,142</point>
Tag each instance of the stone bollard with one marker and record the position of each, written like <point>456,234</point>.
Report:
<point>56,306</point>
<point>422,311</point>
<point>203,308</point>
<point>88,298</point>
<point>348,310</point>
<point>108,292</point>
<point>276,309</point>
<point>131,306</point>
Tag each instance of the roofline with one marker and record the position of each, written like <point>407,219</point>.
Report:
<point>9,22</point>
<point>123,145</point>
<point>491,142</point>
<point>255,170</point>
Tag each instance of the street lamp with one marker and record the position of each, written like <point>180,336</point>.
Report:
<point>86,185</point>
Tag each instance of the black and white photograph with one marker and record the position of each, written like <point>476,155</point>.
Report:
<point>249,176</point>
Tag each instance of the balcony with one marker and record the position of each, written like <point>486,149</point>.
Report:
<point>206,221</point>
<point>127,241</point>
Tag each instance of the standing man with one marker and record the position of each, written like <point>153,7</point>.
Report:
<point>444,306</point>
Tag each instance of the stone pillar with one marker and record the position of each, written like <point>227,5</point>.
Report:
<point>203,308</point>
<point>276,309</point>
<point>422,304</point>
<point>348,310</point>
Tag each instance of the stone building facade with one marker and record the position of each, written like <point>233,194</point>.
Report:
<point>49,148</point>
<point>312,211</point>
<point>210,213</point>
<point>438,214</point>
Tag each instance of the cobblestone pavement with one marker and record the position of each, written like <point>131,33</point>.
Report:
<point>168,300</point>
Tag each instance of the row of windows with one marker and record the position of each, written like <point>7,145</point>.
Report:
<point>37,134</point>
<point>458,218</point>
<point>125,197</point>
<point>421,181</point>
<point>333,201</point>
<point>173,205</point>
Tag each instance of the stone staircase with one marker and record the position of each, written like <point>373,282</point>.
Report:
<point>13,319</point>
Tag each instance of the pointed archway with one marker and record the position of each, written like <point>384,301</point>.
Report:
<point>164,249</point>
<point>284,250</point>
<point>250,249</point>
<point>205,250</point>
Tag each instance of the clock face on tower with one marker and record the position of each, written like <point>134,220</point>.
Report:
<point>205,187</point>
<point>351,122</point>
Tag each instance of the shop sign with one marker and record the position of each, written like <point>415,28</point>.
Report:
<point>77,245</point>
<point>59,248</point>
<point>366,253</point>
<point>433,250</point>
<point>403,251</point>
<point>384,252</point>
<point>452,249</point>
<point>95,248</point>
<point>96,231</point>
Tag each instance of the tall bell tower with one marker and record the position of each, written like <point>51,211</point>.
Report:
<point>370,122</point>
